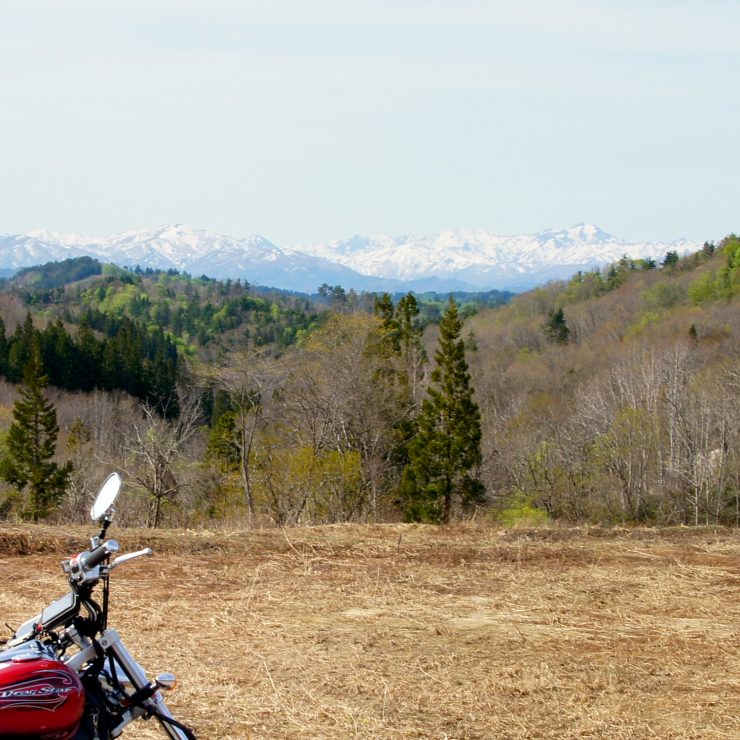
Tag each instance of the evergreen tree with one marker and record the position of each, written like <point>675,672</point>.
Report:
<point>89,353</point>
<point>59,356</point>
<point>400,333</point>
<point>556,329</point>
<point>31,443</point>
<point>20,349</point>
<point>409,332</point>
<point>671,259</point>
<point>445,453</point>
<point>385,311</point>
<point>402,359</point>
<point>3,348</point>
<point>223,446</point>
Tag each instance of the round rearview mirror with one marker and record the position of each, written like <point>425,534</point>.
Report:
<point>106,497</point>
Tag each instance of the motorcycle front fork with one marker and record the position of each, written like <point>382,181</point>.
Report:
<point>112,644</point>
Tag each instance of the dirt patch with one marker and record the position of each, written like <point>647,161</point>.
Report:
<point>412,631</point>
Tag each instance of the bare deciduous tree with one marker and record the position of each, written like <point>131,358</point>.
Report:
<point>250,379</point>
<point>155,446</point>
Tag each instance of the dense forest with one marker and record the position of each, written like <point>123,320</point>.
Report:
<point>613,397</point>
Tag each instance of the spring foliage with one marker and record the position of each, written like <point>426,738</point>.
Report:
<point>612,397</point>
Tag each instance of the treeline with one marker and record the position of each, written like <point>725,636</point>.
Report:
<point>195,311</point>
<point>431,304</point>
<point>128,357</point>
<point>585,285</point>
<point>203,313</point>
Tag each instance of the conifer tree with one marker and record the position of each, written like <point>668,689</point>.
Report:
<point>223,445</point>
<point>32,441</point>
<point>3,348</point>
<point>556,328</point>
<point>385,311</point>
<point>19,350</point>
<point>409,332</point>
<point>89,352</point>
<point>671,259</point>
<point>402,360</point>
<point>445,453</point>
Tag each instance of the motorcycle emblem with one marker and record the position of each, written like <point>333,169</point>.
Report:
<point>47,690</point>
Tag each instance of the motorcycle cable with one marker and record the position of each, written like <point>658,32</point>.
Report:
<point>106,594</point>
<point>173,723</point>
<point>138,698</point>
<point>60,649</point>
<point>90,625</point>
<point>92,685</point>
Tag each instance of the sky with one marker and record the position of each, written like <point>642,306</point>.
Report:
<point>306,121</point>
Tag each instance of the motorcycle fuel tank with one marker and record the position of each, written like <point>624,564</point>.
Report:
<point>39,696</point>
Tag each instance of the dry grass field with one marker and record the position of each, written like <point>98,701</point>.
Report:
<point>406,631</point>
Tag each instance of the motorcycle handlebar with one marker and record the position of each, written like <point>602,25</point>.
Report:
<point>98,555</point>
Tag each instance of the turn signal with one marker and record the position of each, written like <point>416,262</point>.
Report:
<point>166,681</point>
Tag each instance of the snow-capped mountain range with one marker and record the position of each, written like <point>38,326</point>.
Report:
<point>463,259</point>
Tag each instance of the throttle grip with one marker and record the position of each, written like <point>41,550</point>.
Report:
<point>91,559</point>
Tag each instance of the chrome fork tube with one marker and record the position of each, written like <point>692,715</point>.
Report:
<point>111,641</point>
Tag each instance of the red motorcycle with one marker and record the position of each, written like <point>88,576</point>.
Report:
<point>65,675</point>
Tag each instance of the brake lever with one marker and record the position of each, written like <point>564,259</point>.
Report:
<point>129,556</point>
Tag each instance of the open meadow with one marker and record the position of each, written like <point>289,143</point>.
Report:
<point>413,631</point>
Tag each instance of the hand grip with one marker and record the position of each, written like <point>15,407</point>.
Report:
<point>91,559</point>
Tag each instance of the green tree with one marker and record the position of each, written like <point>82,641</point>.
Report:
<point>3,348</point>
<point>556,328</point>
<point>223,446</point>
<point>400,337</point>
<point>385,311</point>
<point>59,356</point>
<point>31,443</point>
<point>722,283</point>
<point>409,331</point>
<point>89,353</point>
<point>19,349</point>
<point>400,359</point>
<point>671,259</point>
<point>445,453</point>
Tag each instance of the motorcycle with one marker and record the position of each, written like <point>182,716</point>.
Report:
<point>65,675</point>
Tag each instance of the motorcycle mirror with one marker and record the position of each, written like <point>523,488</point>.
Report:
<point>106,497</point>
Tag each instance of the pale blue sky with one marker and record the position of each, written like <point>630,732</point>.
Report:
<point>308,121</point>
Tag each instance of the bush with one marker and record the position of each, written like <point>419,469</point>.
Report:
<point>520,511</point>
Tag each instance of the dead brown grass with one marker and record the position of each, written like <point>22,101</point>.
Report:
<point>394,631</point>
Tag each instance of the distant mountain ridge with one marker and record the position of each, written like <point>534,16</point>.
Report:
<point>462,259</point>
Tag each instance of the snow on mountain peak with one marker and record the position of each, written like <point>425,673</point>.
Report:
<point>61,239</point>
<point>481,258</point>
<point>474,256</point>
<point>581,233</point>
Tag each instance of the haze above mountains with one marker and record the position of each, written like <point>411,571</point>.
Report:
<point>462,259</point>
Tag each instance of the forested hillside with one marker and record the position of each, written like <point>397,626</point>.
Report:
<point>613,397</point>
<point>194,312</point>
